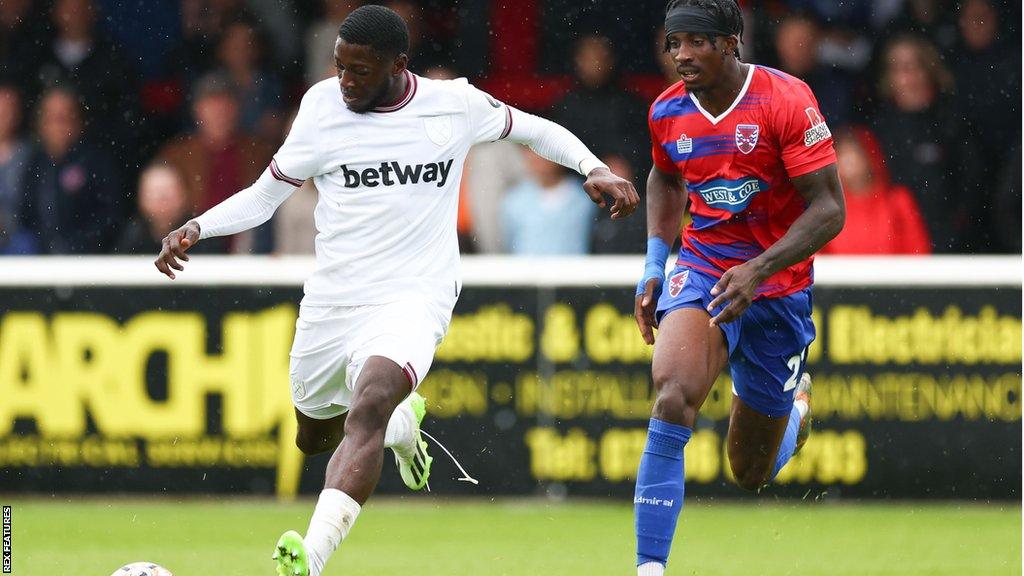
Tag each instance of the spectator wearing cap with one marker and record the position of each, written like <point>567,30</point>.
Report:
<point>73,200</point>
<point>15,153</point>
<point>938,159</point>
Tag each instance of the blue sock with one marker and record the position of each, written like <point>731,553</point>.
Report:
<point>659,490</point>
<point>788,444</point>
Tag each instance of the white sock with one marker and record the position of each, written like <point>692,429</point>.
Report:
<point>400,426</point>
<point>333,517</point>
<point>650,569</point>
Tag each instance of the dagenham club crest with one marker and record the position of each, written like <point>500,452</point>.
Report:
<point>676,283</point>
<point>746,137</point>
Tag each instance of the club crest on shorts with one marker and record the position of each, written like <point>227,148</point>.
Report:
<point>746,137</point>
<point>676,283</point>
<point>298,388</point>
<point>439,129</point>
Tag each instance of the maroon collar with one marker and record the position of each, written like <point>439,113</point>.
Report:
<point>410,91</point>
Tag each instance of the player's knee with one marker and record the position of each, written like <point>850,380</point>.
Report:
<point>311,443</point>
<point>673,403</point>
<point>748,477</point>
<point>369,414</point>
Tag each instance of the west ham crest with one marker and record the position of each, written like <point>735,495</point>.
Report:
<point>746,137</point>
<point>439,129</point>
<point>676,283</point>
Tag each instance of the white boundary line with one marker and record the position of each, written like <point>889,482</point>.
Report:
<point>493,271</point>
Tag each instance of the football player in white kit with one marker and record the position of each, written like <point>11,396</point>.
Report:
<point>385,148</point>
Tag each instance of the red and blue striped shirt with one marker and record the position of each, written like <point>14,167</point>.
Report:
<point>738,170</point>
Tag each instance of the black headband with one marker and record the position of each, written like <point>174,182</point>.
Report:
<point>694,21</point>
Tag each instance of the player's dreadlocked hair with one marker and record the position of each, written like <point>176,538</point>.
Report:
<point>376,26</point>
<point>725,11</point>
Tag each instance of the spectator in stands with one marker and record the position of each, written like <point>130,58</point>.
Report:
<point>79,56</point>
<point>612,121</point>
<point>666,65</point>
<point>320,37</point>
<point>492,169</point>
<point>548,213</point>
<point>294,225</point>
<point>278,18</point>
<point>881,218</point>
<point>797,46</point>
<point>619,236</point>
<point>988,73</point>
<point>21,28</point>
<point>194,55</point>
<point>426,47</point>
<point>926,18</point>
<point>162,207</point>
<point>1005,216</point>
<point>608,118</point>
<point>259,89</point>
<point>988,81</point>
<point>219,158</point>
<point>927,152</point>
<point>73,199</point>
<point>14,158</point>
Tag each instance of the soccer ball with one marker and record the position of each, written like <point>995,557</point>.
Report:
<point>142,569</point>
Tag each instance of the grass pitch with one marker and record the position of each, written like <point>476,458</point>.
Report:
<point>434,537</point>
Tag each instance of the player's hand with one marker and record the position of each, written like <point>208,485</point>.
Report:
<point>174,247</point>
<point>601,182</point>
<point>737,287</point>
<point>644,308</point>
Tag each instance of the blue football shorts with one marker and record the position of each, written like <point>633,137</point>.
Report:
<point>767,343</point>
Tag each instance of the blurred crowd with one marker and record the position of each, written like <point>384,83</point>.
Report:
<point>120,119</point>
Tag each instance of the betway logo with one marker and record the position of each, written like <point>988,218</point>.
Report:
<point>731,195</point>
<point>393,173</point>
<point>653,501</point>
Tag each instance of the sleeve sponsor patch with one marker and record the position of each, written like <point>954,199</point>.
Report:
<point>818,131</point>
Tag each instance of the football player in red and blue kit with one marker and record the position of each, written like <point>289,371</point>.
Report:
<point>745,149</point>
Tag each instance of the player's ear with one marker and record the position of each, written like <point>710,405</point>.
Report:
<point>400,64</point>
<point>730,44</point>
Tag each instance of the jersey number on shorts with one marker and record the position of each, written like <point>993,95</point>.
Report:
<point>794,364</point>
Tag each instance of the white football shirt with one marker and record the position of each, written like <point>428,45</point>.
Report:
<point>389,187</point>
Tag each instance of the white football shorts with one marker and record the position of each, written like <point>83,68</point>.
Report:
<point>333,342</point>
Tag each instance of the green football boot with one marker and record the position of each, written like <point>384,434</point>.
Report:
<point>412,460</point>
<point>290,555</point>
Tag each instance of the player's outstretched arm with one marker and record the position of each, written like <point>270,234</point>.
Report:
<point>242,211</point>
<point>666,202</point>
<point>821,221</point>
<point>557,144</point>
